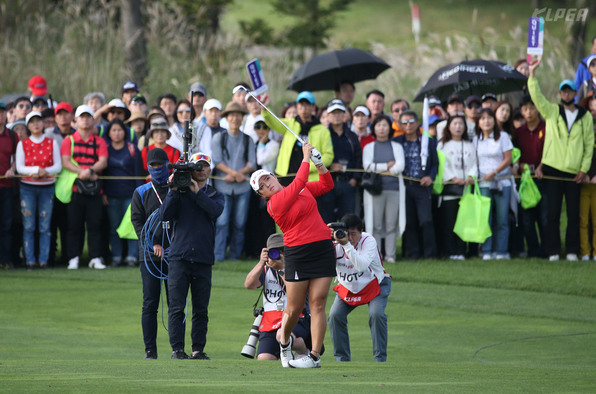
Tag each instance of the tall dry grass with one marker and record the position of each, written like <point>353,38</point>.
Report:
<point>79,49</point>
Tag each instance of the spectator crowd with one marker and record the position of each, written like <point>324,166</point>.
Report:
<point>491,138</point>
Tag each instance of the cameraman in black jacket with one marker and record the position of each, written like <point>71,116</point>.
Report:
<point>192,214</point>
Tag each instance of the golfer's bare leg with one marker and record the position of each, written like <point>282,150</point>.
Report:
<point>317,298</point>
<point>296,296</point>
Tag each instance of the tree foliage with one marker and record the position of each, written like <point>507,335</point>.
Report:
<point>313,21</point>
<point>204,14</point>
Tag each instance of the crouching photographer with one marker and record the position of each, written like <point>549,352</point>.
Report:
<point>269,273</point>
<point>191,213</point>
<point>362,280</point>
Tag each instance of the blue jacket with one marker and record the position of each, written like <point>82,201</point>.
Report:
<point>582,73</point>
<point>432,161</point>
<point>192,223</point>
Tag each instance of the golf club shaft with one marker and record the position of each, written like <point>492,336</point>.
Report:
<point>267,109</point>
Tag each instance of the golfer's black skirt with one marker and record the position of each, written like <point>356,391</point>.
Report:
<point>312,260</point>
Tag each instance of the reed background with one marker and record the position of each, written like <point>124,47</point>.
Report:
<point>78,47</point>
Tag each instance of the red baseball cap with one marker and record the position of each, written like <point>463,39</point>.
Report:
<point>38,86</point>
<point>63,106</point>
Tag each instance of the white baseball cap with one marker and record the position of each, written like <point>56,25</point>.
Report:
<point>362,109</point>
<point>256,176</point>
<point>211,103</point>
<point>83,109</point>
<point>32,115</point>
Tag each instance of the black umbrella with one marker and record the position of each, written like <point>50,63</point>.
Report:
<point>472,77</point>
<point>327,70</point>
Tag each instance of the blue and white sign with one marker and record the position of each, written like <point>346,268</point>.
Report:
<point>257,77</point>
<point>535,38</point>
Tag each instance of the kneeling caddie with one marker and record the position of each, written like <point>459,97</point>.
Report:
<point>362,280</point>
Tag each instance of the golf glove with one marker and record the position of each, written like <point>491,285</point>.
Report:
<point>316,157</point>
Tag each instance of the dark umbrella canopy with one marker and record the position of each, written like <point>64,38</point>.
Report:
<point>326,70</point>
<point>472,77</point>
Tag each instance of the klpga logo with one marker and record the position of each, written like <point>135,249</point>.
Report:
<point>567,14</point>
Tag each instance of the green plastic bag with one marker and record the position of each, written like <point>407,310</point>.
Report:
<point>126,230</point>
<point>515,155</point>
<point>472,223</point>
<point>438,183</point>
<point>64,182</point>
<point>528,191</point>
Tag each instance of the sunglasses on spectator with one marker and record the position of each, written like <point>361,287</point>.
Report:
<point>27,106</point>
<point>474,105</point>
<point>183,110</point>
<point>400,109</point>
<point>260,126</point>
<point>405,122</point>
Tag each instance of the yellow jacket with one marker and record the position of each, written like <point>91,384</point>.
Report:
<point>318,136</point>
<point>568,151</point>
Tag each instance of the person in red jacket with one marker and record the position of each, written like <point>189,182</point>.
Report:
<point>160,133</point>
<point>309,251</point>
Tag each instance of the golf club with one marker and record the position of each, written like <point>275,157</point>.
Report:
<point>315,153</point>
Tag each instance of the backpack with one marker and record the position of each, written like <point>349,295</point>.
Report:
<point>224,147</point>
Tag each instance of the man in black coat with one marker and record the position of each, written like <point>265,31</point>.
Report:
<point>192,214</point>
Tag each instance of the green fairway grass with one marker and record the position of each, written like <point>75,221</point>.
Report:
<point>472,326</point>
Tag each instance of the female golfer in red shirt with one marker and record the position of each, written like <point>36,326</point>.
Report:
<point>308,249</point>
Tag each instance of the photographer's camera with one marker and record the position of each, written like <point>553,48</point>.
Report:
<point>339,229</point>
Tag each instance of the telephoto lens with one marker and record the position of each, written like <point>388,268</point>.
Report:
<point>250,348</point>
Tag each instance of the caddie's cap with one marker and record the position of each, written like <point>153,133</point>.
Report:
<point>275,241</point>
